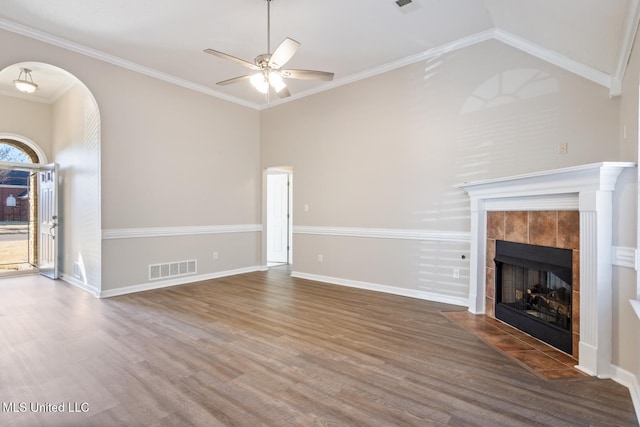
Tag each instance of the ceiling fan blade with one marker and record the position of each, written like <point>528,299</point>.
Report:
<point>234,80</point>
<point>284,93</point>
<point>283,53</point>
<point>306,75</point>
<point>232,58</point>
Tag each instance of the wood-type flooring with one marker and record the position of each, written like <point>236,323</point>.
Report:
<point>264,349</point>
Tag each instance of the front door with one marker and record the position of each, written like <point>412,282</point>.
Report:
<point>48,230</point>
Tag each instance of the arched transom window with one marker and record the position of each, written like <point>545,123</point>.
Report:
<point>16,152</point>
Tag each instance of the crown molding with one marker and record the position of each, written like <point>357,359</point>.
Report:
<point>402,62</point>
<point>611,82</point>
<point>554,58</point>
<point>626,45</point>
<point>115,60</point>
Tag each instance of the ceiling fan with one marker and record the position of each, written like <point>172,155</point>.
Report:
<point>269,66</point>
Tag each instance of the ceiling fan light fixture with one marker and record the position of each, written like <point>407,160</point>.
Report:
<point>24,82</point>
<point>260,82</point>
<point>269,65</point>
<point>275,80</point>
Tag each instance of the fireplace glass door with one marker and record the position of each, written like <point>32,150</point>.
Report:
<point>541,294</point>
<point>533,291</point>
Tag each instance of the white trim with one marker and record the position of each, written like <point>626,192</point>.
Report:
<point>427,296</point>
<point>138,233</point>
<point>115,60</point>
<point>629,380</point>
<point>505,37</point>
<point>17,187</point>
<point>626,45</point>
<point>27,97</point>
<point>555,202</point>
<point>42,157</point>
<point>402,62</point>
<point>79,284</point>
<point>624,257</point>
<point>554,58</point>
<point>174,282</point>
<point>594,185</point>
<point>592,177</point>
<point>385,233</point>
<point>635,304</point>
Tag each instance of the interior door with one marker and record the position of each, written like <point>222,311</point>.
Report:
<point>278,218</point>
<point>48,230</point>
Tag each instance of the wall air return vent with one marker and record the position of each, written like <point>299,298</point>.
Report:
<point>402,3</point>
<point>172,269</point>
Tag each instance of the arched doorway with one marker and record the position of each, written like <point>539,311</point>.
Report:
<point>63,119</point>
<point>19,158</point>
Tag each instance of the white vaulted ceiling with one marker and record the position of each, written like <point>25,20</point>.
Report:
<point>352,38</point>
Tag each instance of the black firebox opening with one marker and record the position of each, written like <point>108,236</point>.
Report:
<point>534,291</point>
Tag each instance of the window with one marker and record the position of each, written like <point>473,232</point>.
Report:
<point>12,151</point>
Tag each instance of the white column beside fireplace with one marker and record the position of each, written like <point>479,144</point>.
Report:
<point>586,188</point>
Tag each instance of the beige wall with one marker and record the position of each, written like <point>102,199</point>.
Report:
<point>28,119</point>
<point>170,157</point>
<point>175,157</point>
<point>388,151</point>
<point>76,149</point>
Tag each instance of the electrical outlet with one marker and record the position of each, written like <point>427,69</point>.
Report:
<point>320,258</point>
<point>563,148</point>
<point>215,255</point>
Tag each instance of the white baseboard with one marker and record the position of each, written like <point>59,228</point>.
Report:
<point>428,296</point>
<point>183,280</point>
<point>630,381</point>
<point>78,284</point>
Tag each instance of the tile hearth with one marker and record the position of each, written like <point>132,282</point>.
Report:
<point>540,358</point>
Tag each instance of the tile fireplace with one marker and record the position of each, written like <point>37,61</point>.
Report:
<point>528,209</point>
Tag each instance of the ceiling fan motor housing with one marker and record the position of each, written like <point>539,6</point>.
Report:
<point>262,61</point>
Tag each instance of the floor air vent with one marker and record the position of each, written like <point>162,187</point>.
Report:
<point>172,269</point>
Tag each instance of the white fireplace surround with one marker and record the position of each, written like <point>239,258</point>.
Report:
<point>587,188</point>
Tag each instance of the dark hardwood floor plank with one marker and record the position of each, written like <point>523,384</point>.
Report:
<point>265,349</point>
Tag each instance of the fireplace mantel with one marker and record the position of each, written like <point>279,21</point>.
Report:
<point>587,188</point>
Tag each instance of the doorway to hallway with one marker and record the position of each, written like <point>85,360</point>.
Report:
<point>279,218</point>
